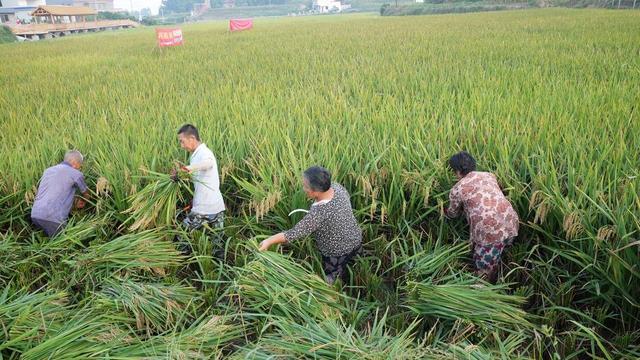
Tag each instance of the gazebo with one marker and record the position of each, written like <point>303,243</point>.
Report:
<point>58,14</point>
<point>58,20</point>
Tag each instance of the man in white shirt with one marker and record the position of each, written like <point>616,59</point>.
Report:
<point>207,206</point>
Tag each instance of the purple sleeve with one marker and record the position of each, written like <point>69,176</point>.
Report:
<point>80,183</point>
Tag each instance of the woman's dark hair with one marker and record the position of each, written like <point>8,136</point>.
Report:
<point>189,130</point>
<point>319,178</point>
<point>462,162</point>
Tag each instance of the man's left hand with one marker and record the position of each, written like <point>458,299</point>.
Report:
<point>80,203</point>
<point>173,175</point>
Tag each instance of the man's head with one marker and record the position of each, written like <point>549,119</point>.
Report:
<point>74,158</point>
<point>316,180</point>
<point>462,163</point>
<point>189,137</point>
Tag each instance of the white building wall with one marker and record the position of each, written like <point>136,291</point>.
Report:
<point>327,5</point>
<point>23,8</point>
<point>13,3</point>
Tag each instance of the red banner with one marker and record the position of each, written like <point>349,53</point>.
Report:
<point>240,24</point>
<point>169,37</point>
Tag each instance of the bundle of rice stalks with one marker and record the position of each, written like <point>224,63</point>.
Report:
<point>484,306</point>
<point>25,317</point>
<point>90,333</point>
<point>150,251</point>
<point>275,284</point>
<point>37,261</point>
<point>77,233</point>
<point>333,339</point>
<point>155,204</point>
<point>156,307</point>
<point>85,334</point>
<point>432,263</point>
<point>512,346</point>
<point>206,338</point>
<point>467,351</point>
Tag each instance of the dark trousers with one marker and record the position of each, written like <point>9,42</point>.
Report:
<point>334,266</point>
<point>51,228</point>
<point>212,224</point>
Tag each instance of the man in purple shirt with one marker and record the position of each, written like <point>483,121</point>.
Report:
<point>56,192</point>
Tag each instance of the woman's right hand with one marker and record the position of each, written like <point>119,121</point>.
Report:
<point>265,244</point>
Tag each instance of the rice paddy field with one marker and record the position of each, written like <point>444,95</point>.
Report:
<point>546,99</point>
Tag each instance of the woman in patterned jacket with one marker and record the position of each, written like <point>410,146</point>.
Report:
<point>492,221</point>
<point>330,221</point>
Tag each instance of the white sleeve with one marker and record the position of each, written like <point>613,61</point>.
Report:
<point>205,164</point>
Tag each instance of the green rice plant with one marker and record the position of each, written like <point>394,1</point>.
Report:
<point>10,257</point>
<point>261,201</point>
<point>10,210</point>
<point>209,274</point>
<point>597,343</point>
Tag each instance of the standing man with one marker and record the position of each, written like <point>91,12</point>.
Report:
<point>207,206</point>
<point>56,192</point>
<point>493,222</point>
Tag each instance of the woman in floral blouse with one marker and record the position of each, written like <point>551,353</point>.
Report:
<point>493,222</point>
